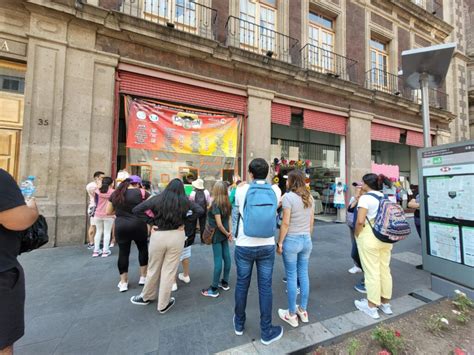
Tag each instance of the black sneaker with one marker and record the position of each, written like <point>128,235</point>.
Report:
<point>224,285</point>
<point>168,307</point>
<point>139,300</point>
<point>276,332</point>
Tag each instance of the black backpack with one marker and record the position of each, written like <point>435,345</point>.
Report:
<point>200,199</point>
<point>35,236</point>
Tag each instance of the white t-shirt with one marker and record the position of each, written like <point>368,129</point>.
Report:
<point>91,187</point>
<point>242,239</point>
<point>370,203</point>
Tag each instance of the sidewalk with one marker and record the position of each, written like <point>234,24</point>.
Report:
<point>73,305</point>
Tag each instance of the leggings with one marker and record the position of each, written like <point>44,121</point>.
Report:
<point>127,231</point>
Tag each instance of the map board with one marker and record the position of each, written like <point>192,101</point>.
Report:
<point>447,210</point>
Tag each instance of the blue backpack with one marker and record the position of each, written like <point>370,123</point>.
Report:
<point>260,208</point>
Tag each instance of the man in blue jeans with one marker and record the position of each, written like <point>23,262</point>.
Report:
<point>259,251</point>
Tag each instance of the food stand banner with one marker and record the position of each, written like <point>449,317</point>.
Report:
<point>156,127</point>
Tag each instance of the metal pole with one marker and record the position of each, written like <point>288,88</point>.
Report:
<point>425,109</point>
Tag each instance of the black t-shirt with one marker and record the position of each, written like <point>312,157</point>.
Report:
<point>133,197</point>
<point>10,197</point>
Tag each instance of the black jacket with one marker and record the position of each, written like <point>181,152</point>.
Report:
<point>189,219</point>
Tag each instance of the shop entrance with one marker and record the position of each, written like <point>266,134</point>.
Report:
<point>320,154</point>
<point>12,87</point>
<point>169,140</point>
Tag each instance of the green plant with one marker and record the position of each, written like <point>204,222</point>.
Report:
<point>462,317</point>
<point>437,323</point>
<point>354,346</point>
<point>388,339</point>
<point>462,302</point>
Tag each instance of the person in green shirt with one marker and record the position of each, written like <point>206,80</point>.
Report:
<point>219,217</point>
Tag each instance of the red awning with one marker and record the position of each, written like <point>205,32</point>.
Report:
<point>415,139</point>
<point>281,114</point>
<point>325,122</point>
<point>384,133</point>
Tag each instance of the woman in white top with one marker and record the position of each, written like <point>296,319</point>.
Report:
<point>374,254</point>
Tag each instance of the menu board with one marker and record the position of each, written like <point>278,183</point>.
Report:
<point>445,241</point>
<point>451,196</point>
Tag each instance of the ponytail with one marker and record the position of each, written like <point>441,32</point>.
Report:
<point>376,182</point>
<point>118,197</point>
<point>106,182</point>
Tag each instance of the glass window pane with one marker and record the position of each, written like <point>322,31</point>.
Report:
<point>320,20</point>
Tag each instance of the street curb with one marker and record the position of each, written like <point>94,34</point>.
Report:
<point>334,330</point>
<point>340,338</point>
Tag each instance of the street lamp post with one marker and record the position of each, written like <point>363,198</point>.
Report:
<point>423,68</point>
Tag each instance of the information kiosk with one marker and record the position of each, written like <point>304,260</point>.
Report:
<point>447,215</point>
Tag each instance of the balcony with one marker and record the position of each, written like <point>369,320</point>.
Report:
<point>323,61</point>
<point>258,39</point>
<point>380,80</point>
<point>434,7</point>
<point>182,15</point>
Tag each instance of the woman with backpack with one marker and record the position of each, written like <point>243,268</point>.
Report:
<point>170,210</point>
<point>129,228</point>
<point>374,254</point>
<point>202,197</point>
<point>103,222</point>
<point>295,245</point>
<point>219,217</point>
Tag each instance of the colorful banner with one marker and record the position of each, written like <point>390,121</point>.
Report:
<point>155,127</point>
<point>390,171</point>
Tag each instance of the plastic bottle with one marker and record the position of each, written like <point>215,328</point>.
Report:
<point>28,188</point>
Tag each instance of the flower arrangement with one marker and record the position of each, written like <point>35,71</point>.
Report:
<point>279,164</point>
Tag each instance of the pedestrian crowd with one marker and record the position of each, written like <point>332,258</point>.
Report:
<point>251,214</point>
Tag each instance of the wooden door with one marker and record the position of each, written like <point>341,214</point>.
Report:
<point>9,149</point>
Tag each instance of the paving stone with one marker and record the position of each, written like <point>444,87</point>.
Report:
<point>78,296</point>
<point>42,348</point>
<point>405,304</point>
<point>408,257</point>
<point>240,350</point>
<point>361,319</point>
<point>428,294</point>
<point>184,339</point>
<point>339,325</point>
<point>296,339</point>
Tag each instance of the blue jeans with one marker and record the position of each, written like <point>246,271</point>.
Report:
<point>221,252</point>
<point>355,252</point>
<point>235,218</point>
<point>296,252</point>
<point>263,257</point>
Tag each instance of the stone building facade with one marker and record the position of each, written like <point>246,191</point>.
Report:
<point>319,73</point>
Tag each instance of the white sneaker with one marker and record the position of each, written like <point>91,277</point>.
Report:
<point>185,279</point>
<point>302,314</point>
<point>363,306</point>
<point>386,308</point>
<point>354,270</point>
<point>285,316</point>
<point>123,286</point>
<point>142,280</point>
<point>174,288</point>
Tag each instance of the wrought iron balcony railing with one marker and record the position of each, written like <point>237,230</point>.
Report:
<point>380,80</point>
<point>259,39</point>
<point>324,61</point>
<point>184,15</point>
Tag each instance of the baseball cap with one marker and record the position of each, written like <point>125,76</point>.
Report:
<point>135,179</point>
<point>357,184</point>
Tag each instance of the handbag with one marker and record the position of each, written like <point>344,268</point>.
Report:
<point>208,234</point>
<point>35,236</point>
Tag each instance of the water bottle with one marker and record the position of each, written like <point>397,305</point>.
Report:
<point>28,188</point>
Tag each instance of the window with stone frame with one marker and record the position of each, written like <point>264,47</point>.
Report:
<point>180,13</point>
<point>421,3</point>
<point>379,77</point>
<point>258,25</point>
<point>321,37</point>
